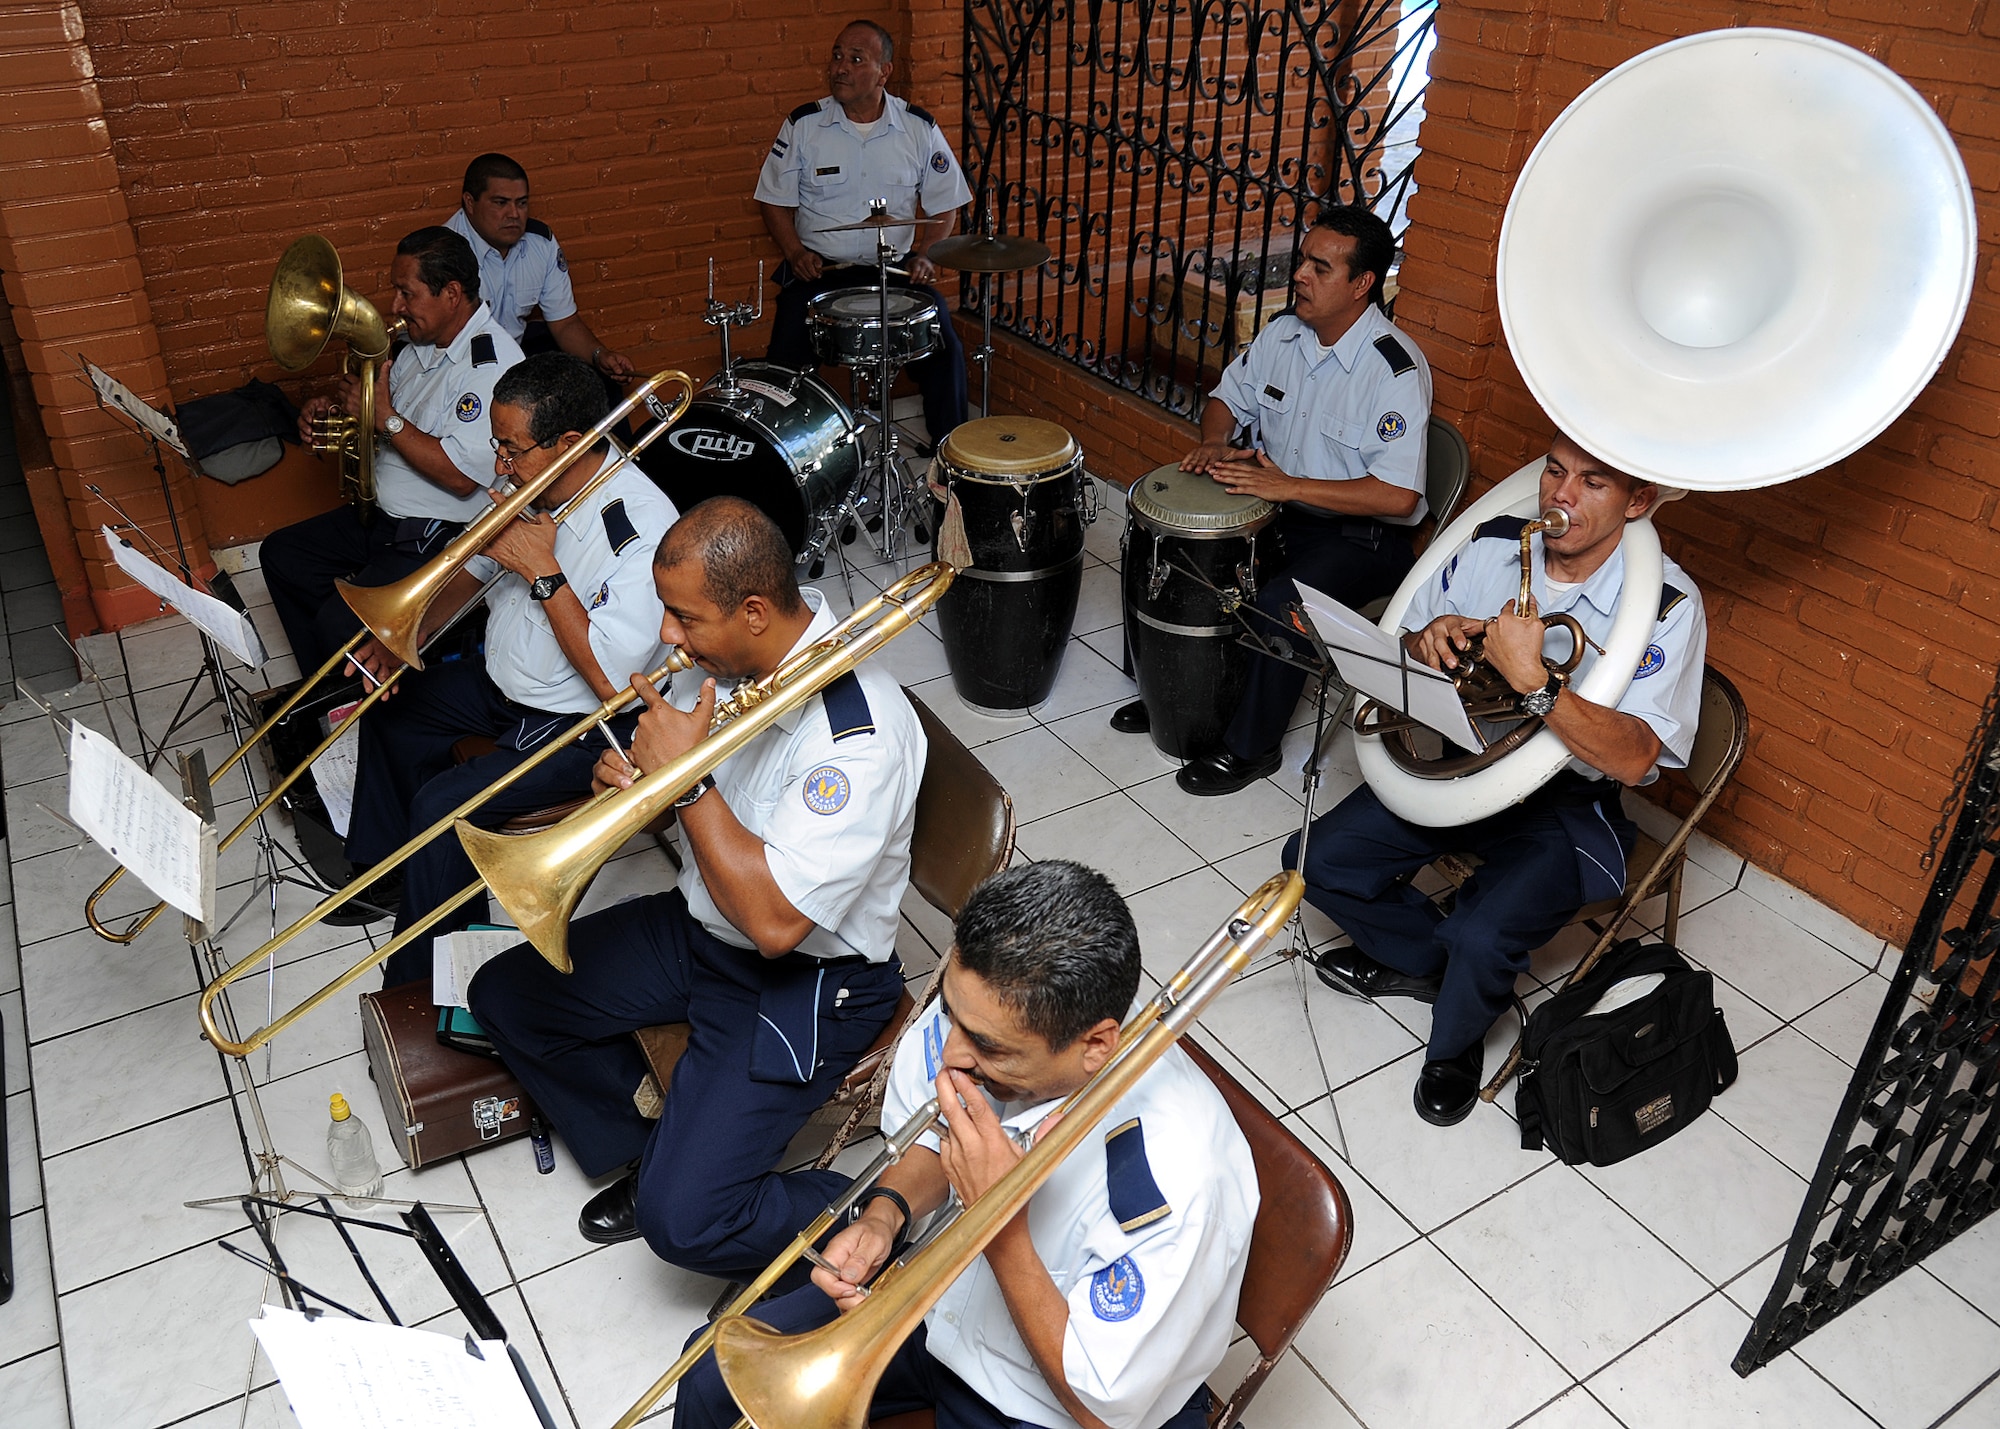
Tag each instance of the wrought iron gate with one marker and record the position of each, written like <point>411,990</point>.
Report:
<point>1910,1162</point>
<point>1168,152</point>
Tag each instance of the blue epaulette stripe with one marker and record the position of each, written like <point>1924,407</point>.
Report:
<point>847,712</point>
<point>1504,528</point>
<point>1128,1178</point>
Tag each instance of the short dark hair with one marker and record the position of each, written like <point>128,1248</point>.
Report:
<point>1056,944</point>
<point>1374,244</point>
<point>558,392</point>
<point>741,550</point>
<point>442,257</point>
<point>488,167</point>
<point>882,37</point>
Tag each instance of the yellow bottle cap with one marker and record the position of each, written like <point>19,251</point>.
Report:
<point>339,1107</point>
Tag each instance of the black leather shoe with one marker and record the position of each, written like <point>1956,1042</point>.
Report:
<point>1223,773</point>
<point>1132,718</point>
<point>1363,975</point>
<point>1447,1090</point>
<point>612,1214</point>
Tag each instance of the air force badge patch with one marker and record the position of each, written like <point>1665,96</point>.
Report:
<point>940,162</point>
<point>1391,426</point>
<point>826,790</point>
<point>1650,662</point>
<point>1118,1290</point>
<point>468,408</point>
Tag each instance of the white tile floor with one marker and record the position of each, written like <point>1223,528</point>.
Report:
<point>1487,1287</point>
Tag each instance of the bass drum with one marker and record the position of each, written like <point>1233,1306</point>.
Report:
<point>783,441</point>
<point>1186,539</point>
<point>1006,620</point>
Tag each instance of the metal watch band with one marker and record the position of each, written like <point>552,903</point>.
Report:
<point>707,783</point>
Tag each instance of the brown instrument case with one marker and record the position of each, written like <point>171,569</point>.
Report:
<point>438,1101</point>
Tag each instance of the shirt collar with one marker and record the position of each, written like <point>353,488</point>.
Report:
<point>428,356</point>
<point>823,621</point>
<point>831,114</point>
<point>1601,588</point>
<point>461,225</point>
<point>1347,348</point>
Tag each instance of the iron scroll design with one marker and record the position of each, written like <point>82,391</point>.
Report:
<point>1911,1160</point>
<point>1169,153</point>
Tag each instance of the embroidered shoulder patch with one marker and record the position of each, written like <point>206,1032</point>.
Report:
<point>940,162</point>
<point>562,263</point>
<point>1118,1290</point>
<point>933,1048</point>
<point>1391,426</point>
<point>826,790</point>
<point>1650,663</point>
<point>468,408</point>
<point>603,594</point>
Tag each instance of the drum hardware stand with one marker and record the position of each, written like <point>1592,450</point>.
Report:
<point>723,316</point>
<point>892,476</point>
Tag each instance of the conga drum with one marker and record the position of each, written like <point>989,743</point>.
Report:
<point>1019,486</point>
<point>1186,540</point>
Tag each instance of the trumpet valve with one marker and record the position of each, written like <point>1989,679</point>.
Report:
<point>332,431</point>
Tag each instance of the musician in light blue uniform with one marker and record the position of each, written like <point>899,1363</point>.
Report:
<point>1566,845</point>
<point>573,615</point>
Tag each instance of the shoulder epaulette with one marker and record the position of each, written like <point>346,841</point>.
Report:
<point>804,112</point>
<point>847,712</point>
<point>1670,596</point>
<point>540,229</point>
<point>482,350</point>
<point>618,527</point>
<point>1395,354</point>
<point>1500,528</point>
<point>1128,1178</point>
<point>923,114</point>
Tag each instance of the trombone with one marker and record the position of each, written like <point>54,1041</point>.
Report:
<point>824,1379</point>
<point>394,614</point>
<point>623,812</point>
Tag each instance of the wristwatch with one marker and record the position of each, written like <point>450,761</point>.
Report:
<point>1538,703</point>
<point>545,586</point>
<point>693,796</point>
<point>393,424</point>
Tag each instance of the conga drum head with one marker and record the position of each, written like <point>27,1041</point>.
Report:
<point>1009,449</point>
<point>1189,503</point>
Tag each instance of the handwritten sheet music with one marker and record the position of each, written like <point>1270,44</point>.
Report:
<point>141,823</point>
<point>228,627</point>
<point>334,772</point>
<point>1375,663</point>
<point>357,1374</point>
<point>455,957</point>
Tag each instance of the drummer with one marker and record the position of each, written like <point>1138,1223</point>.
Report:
<point>831,158</point>
<point>1325,414</point>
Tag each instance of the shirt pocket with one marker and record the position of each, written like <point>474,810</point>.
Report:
<point>1342,438</point>
<point>826,180</point>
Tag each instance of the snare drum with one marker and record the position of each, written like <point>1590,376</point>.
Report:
<point>1019,484</point>
<point>1186,539</point>
<point>847,327</point>
<point>784,443</point>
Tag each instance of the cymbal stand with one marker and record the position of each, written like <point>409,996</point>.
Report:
<point>885,467</point>
<point>723,316</point>
<point>984,357</point>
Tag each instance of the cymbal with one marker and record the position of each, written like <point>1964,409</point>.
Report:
<point>878,220</point>
<point>988,253</point>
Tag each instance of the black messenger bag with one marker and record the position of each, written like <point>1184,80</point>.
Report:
<point>1602,1086</point>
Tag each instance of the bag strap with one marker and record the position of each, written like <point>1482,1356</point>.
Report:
<point>1721,1053</point>
<point>1528,1110</point>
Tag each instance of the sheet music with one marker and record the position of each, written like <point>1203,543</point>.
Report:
<point>357,1374</point>
<point>335,770</point>
<point>1375,663</point>
<point>455,957</point>
<point>228,627</point>
<point>115,394</point>
<point>141,823</point>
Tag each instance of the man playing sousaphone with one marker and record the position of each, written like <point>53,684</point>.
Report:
<point>1566,844</point>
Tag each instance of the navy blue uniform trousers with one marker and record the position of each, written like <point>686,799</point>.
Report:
<point>407,781</point>
<point>1529,885</point>
<point>1354,561</point>
<point>914,1380</point>
<point>940,378</point>
<point>301,562</point>
<point>710,1198</point>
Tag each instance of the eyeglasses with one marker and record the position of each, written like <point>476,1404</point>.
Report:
<point>508,453</point>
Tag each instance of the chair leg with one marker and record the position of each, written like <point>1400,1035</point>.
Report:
<point>1672,928</point>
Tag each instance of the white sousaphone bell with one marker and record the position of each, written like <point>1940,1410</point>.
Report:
<point>1734,260</point>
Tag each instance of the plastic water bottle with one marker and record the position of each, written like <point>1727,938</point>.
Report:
<point>352,1152</point>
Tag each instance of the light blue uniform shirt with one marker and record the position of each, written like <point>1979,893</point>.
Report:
<point>1359,408</point>
<point>530,275</point>
<point>1666,689</point>
<point>823,167</point>
<point>447,392</point>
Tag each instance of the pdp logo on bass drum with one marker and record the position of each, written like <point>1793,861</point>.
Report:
<point>710,445</point>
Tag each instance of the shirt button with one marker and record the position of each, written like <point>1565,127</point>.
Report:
<point>950,1318</point>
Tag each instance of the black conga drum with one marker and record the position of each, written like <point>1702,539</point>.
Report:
<point>1019,486</point>
<point>1186,541</point>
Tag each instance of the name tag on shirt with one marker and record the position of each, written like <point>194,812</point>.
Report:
<point>826,173</point>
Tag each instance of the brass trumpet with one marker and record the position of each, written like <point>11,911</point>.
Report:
<point>619,813</point>
<point>394,614</point>
<point>1481,688</point>
<point>307,308</point>
<point>825,1378</point>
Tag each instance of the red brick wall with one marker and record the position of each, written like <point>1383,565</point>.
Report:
<point>1855,608</point>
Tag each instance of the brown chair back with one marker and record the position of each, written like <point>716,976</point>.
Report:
<point>1304,1229</point>
<point>965,820</point>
